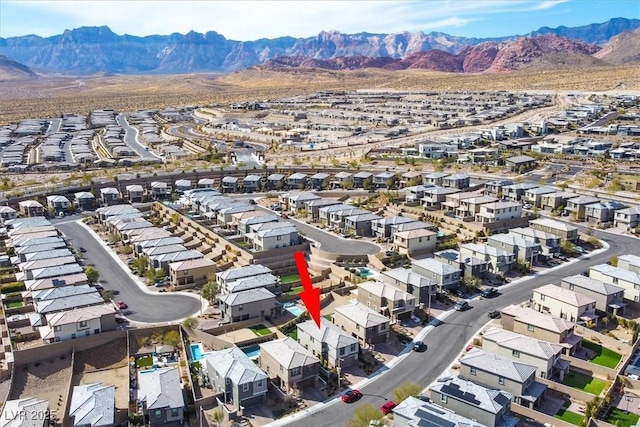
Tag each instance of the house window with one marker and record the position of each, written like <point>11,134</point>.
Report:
<point>87,333</point>
<point>571,286</point>
<point>357,327</point>
<point>73,336</point>
<point>444,397</point>
<point>240,308</point>
<point>57,328</point>
<point>472,371</point>
<point>259,384</point>
<point>83,324</point>
<point>245,387</point>
<point>342,351</point>
<point>353,348</point>
<point>615,280</point>
<point>541,297</point>
<point>158,413</point>
<point>501,380</point>
<point>278,238</point>
<point>174,412</point>
<point>295,371</point>
<point>515,353</point>
<point>530,328</point>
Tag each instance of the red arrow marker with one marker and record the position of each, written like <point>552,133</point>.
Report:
<point>310,295</point>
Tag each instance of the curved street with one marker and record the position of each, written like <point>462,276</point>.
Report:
<point>446,342</point>
<point>131,138</point>
<point>143,307</point>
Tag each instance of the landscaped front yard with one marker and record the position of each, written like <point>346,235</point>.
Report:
<point>621,418</point>
<point>570,417</point>
<point>584,383</point>
<point>602,355</point>
<point>260,330</point>
<point>291,278</point>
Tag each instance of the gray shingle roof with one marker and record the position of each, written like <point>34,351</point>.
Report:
<point>234,364</point>
<point>160,388</point>
<point>289,353</point>
<point>246,271</point>
<point>593,285</point>
<point>93,404</point>
<point>327,333</point>
<point>498,365</point>
<point>492,401</point>
<point>245,297</point>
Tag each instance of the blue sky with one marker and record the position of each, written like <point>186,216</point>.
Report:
<point>251,20</point>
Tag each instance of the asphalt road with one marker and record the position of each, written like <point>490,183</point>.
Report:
<point>143,307</point>
<point>131,138</point>
<point>447,341</point>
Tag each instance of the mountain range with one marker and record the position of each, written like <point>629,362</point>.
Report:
<point>89,50</point>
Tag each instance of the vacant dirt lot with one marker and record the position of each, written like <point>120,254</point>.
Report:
<point>46,380</point>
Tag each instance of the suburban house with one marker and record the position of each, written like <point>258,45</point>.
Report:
<point>7,213</point>
<point>313,206</point>
<point>134,193</point>
<point>252,183</point>
<point>471,267</point>
<point>367,325</point>
<point>627,219</point>
<point>297,180</point>
<point>267,281</point>
<point>489,407</point>
<point>609,298</point>
<point>343,180</point>
<point>602,212</point>
<point>382,227</point>
<point>469,207</point>
<point>503,373</point>
<point>160,396</point>
<point>458,180</point>
<point>534,195</point>
<point>498,211</point>
<point>413,412</point>
<point>423,289</point>
<point>629,262</point>
<point>229,184</point>
<point>517,192</point>
<point>362,179</point>
<point>109,196</point>
<point>543,355</point>
<point>542,326</point>
<point>77,322</point>
<point>549,243</point>
<point>526,251</point>
<point>159,189</point>
<point>274,238</point>
<point>500,261</point>
<point>434,178</point>
<point>565,304</point>
<point>453,201</point>
<point>444,275</point>
<point>520,164</point>
<point>418,241</point>
<point>245,224</point>
<point>256,303</point>
<point>434,197</point>
<point>385,179</point>
<point>627,280</point>
<point>297,200</point>
<point>560,229</point>
<point>31,208</point>
<point>84,200</point>
<point>337,216</point>
<point>386,299</point>
<point>231,275</point>
<point>163,260</point>
<point>578,206</point>
<point>494,188</point>
<point>182,185</point>
<point>206,183</point>
<point>225,214</point>
<point>234,374</point>
<point>320,180</point>
<point>58,203</point>
<point>191,273</point>
<point>141,246</point>
<point>25,412</point>
<point>288,364</point>
<point>556,201</point>
<point>275,181</point>
<point>93,405</point>
<point>415,193</point>
<point>360,225</point>
<point>329,342</point>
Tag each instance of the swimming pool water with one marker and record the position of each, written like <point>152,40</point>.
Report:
<point>295,310</point>
<point>252,352</point>
<point>196,351</point>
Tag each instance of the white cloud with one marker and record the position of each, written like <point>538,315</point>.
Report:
<point>250,20</point>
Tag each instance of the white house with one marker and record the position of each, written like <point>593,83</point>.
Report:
<point>328,342</point>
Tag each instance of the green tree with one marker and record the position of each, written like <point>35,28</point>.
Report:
<point>92,275</point>
<point>172,338</point>
<point>595,242</point>
<point>140,264</point>
<point>175,218</point>
<point>406,390</point>
<point>614,261</point>
<point>209,290</point>
<point>364,414</point>
<point>190,323</point>
<point>108,295</point>
<point>217,416</point>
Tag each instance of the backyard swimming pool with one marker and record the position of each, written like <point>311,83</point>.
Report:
<point>252,352</point>
<point>197,351</point>
<point>293,308</point>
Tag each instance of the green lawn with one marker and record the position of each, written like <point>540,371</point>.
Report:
<point>289,279</point>
<point>144,362</point>
<point>621,418</point>
<point>293,334</point>
<point>294,291</point>
<point>260,330</point>
<point>603,356</point>
<point>585,383</point>
<point>14,304</point>
<point>328,317</point>
<point>570,417</point>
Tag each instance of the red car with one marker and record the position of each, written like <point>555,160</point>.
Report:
<point>351,396</point>
<point>387,408</point>
<point>121,305</point>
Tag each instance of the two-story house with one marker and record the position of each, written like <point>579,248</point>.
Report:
<point>457,180</point>
<point>289,365</point>
<point>297,180</point>
<point>561,229</point>
<point>500,261</point>
<point>413,412</point>
<point>494,188</point>
<point>252,183</point>
<point>233,274</point>
<point>382,227</point>
<point>182,185</point>
<point>609,298</point>
<point>77,323</point>
<point>434,197</point>
<point>313,206</point>
<point>328,342</point>
<point>161,397</point>
<point>534,195</point>
<point>386,299</point>
<point>274,238</point>
<point>234,374</point>
<point>415,193</point>
<point>295,201</point>
<point>229,184</point>
<point>602,212</point>
<point>520,164</point>
<point>490,407</point>
<point>134,193</point>
<point>255,303</point>
<point>109,196</point>
<point>206,183</point>
<point>343,180</point>
<point>629,262</point>
<point>385,179</point>
<point>423,289</point>
<point>84,200</point>
<point>470,267</point>
<point>549,243</point>
<point>362,179</point>
<point>516,192</point>
<point>526,251</point>
<point>413,242</point>
<point>556,201</point>
<point>191,273</point>
<point>578,206</point>
<point>31,208</point>
<point>565,304</point>
<point>267,281</point>
<point>542,326</point>
<point>543,355</point>
<point>503,373</point>
<point>444,275</point>
<point>627,280</point>
<point>498,211</point>
<point>627,219</point>
<point>275,181</point>
<point>362,322</point>
<point>360,225</point>
<point>434,178</point>
<point>57,203</point>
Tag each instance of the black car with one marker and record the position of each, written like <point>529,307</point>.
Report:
<point>81,249</point>
<point>489,292</point>
<point>494,314</point>
<point>459,293</point>
<point>419,346</point>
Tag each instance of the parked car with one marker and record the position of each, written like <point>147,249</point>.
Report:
<point>387,408</point>
<point>350,395</point>
<point>459,293</point>
<point>121,305</point>
<point>82,249</point>
<point>489,292</point>
<point>461,306</point>
<point>419,346</point>
<point>494,314</point>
